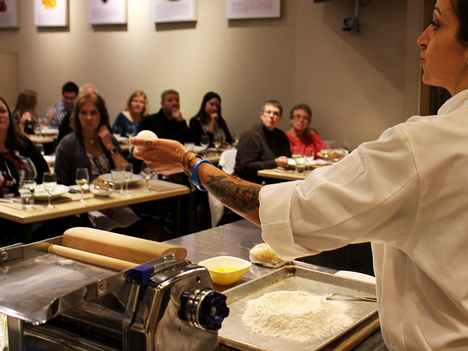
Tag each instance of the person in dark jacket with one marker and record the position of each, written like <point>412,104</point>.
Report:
<point>264,146</point>
<point>168,123</point>
<point>18,156</point>
<point>209,122</point>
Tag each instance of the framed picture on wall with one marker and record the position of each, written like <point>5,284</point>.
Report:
<point>102,12</point>
<point>243,9</point>
<point>165,11</point>
<point>8,14</point>
<point>51,13</point>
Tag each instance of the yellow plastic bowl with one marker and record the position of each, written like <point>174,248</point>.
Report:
<point>226,270</point>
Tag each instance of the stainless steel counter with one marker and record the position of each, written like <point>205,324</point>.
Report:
<point>236,239</point>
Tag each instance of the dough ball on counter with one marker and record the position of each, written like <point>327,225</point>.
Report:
<point>264,255</point>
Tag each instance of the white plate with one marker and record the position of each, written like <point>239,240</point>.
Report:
<point>49,131</point>
<point>135,178</point>
<point>41,194</point>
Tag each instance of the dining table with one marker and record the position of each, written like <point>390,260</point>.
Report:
<point>71,204</point>
<point>283,174</point>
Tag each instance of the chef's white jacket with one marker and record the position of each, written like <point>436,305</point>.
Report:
<point>407,193</point>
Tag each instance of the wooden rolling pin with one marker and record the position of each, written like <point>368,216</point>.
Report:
<point>118,246</point>
<point>87,257</point>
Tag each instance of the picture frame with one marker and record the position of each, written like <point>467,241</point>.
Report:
<point>169,11</point>
<point>107,12</point>
<point>8,14</point>
<point>51,13</point>
<point>248,9</point>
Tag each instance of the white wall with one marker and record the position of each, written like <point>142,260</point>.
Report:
<point>357,84</point>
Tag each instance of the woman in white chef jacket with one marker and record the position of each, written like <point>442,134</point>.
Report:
<point>406,192</point>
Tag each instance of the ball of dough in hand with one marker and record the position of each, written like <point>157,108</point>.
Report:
<point>146,135</point>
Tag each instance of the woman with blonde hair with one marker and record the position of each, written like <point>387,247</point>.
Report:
<point>126,122</point>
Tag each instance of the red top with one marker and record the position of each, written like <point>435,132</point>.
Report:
<point>308,146</point>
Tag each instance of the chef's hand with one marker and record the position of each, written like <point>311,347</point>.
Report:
<point>281,161</point>
<point>165,156</point>
<point>106,137</point>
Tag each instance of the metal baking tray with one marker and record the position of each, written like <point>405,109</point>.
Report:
<point>36,286</point>
<point>235,333</point>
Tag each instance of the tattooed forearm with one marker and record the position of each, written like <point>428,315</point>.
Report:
<point>237,194</point>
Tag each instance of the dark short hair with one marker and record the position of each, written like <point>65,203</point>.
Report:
<point>275,103</point>
<point>167,92</point>
<point>303,107</point>
<point>460,8</point>
<point>70,87</point>
<point>100,104</point>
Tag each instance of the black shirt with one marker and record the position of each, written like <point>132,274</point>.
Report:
<point>166,128</point>
<point>258,149</point>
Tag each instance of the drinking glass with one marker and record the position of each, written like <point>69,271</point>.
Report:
<point>82,180</point>
<point>204,141</point>
<point>118,178</point>
<point>218,140</point>
<point>49,181</point>
<point>147,174</point>
<point>26,191</point>
<point>128,171</point>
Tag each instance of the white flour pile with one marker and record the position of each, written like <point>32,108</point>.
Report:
<point>295,315</point>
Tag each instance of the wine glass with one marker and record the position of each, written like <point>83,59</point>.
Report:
<point>49,181</point>
<point>29,169</point>
<point>82,180</point>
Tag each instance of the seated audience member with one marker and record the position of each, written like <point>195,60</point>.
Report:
<point>17,157</point>
<point>15,149</point>
<point>304,140</point>
<point>127,121</point>
<point>263,147</point>
<point>65,126</point>
<point>25,111</point>
<point>64,107</point>
<point>92,146</point>
<point>168,123</point>
<point>209,121</point>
